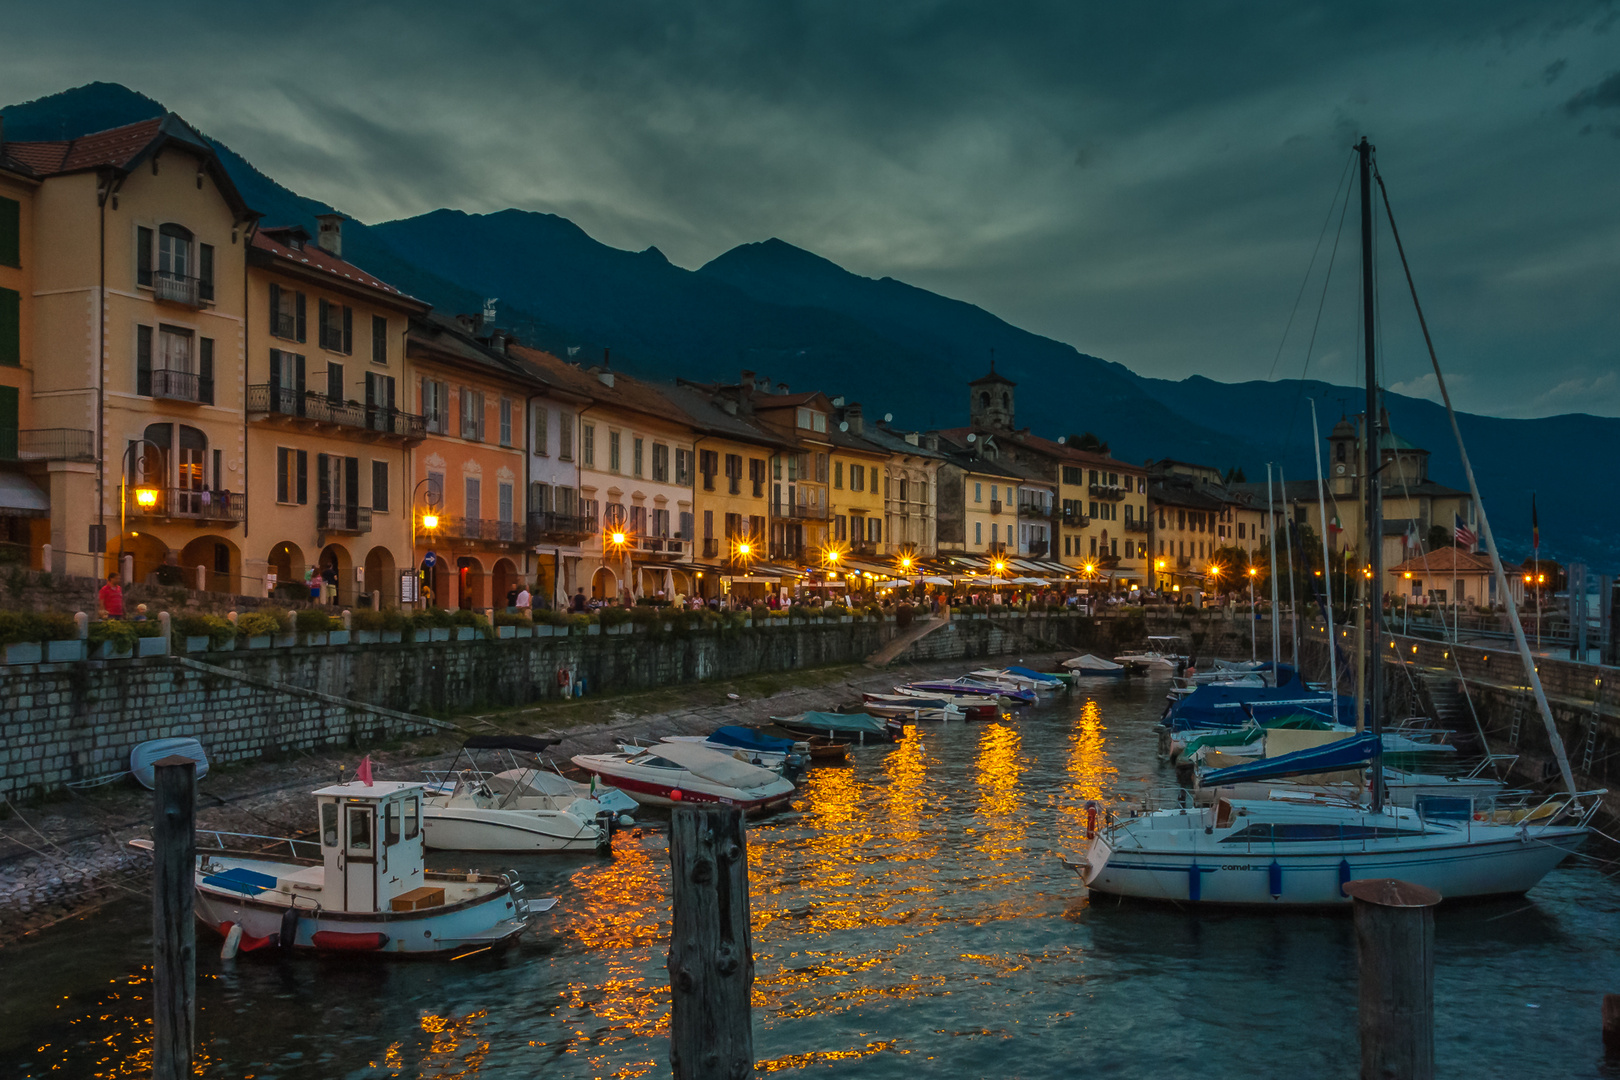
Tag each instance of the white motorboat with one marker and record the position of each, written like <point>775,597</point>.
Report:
<point>361,889</point>
<point>1093,665</point>
<point>906,707</point>
<point>550,784</point>
<point>463,812</point>
<point>789,757</point>
<point>671,773</point>
<point>1019,678</point>
<point>1162,653</point>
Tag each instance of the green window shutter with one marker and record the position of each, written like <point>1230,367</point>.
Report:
<point>10,232</point>
<point>8,423</point>
<point>10,327</point>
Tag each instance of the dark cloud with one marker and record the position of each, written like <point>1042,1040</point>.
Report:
<point>1143,181</point>
<point>1605,95</point>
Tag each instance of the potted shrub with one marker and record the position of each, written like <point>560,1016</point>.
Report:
<point>507,625</point>
<point>198,633</point>
<point>470,625</point>
<point>366,626</point>
<point>313,625</point>
<point>24,634</point>
<point>112,639</point>
<point>261,628</point>
<point>396,624</point>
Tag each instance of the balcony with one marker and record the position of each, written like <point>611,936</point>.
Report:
<point>864,547</point>
<point>711,548</point>
<point>995,506</point>
<point>316,409</point>
<point>783,551</point>
<point>1136,525</point>
<point>202,505</point>
<point>1037,549</point>
<point>672,546</point>
<point>284,326</point>
<point>799,512</point>
<point>46,444</point>
<point>1107,491</point>
<point>182,386</point>
<point>343,519</point>
<point>1034,510</point>
<point>1075,519</point>
<point>568,528</point>
<point>486,529</point>
<point>178,289</point>
<point>1183,561</point>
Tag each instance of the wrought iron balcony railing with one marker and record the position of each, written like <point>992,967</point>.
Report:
<point>190,504</point>
<point>343,518</point>
<point>545,525</point>
<point>46,444</point>
<point>179,289</point>
<point>317,408</point>
<point>799,511</point>
<point>182,386</point>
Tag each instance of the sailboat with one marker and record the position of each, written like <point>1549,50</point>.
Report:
<point>1302,848</point>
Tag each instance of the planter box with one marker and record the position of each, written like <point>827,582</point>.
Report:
<point>196,643</point>
<point>57,652</point>
<point>367,637</point>
<point>465,633</point>
<point>315,639</point>
<point>284,641</point>
<point>108,650</point>
<point>263,641</point>
<point>438,633</point>
<point>846,618</point>
<point>524,631</point>
<point>505,633</point>
<point>338,637</point>
<point>594,628</point>
<point>229,646</point>
<point>28,652</point>
<point>152,646</point>
<point>392,637</point>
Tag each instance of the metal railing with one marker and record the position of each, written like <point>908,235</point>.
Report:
<point>995,506</point>
<point>786,551</point>
<point>544,525</point>
<point>1037,549</point>
<point>284,326</point>
<point>318,408</point>
<point>670,545</point>
<point>179,289</point>
<point>1075,520</point>
<point>182,386</point>
<point>343,518</point>
<point>47,444</point>
<point>1107,491</point>
<point>192,504</point>
<point>1136,525</point>
<point>1034,510</point>
<point>800,511</point>
<point>490,529</point>
<point>711,548</point>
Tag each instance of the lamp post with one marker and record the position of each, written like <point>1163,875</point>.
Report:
<point>429,519</point>
<point>617,539</point>
<point>1254,617</point>
<point>146,496</point>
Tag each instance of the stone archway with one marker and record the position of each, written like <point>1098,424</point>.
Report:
<point>506,578</point>
<point>382,577</point>
<point>286,562</point>
<point>604,584</point>
<point>148,550</point>
<point>470,584</point>
<point>221,560</point>
<point>337,565</point>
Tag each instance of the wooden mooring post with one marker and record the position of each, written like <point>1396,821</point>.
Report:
<point>711,953</point>
<point>1395,946</point>
<point>174,935</point>
<point>1611,1027</point>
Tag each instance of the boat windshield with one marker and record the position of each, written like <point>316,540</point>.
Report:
<point>654,761</point>
<point>1295,831</point>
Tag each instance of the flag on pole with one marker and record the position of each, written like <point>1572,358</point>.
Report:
<point>363,773</point>
<point>1465,536</point>
<point>1535,526</point>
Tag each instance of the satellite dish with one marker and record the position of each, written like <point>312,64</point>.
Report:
<point>1062,439</point>
<point>838,402</point>
<point>888,418</point>
<point>973,438</point>
<point>843,425</point>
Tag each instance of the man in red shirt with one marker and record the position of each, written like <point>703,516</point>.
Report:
<point>112,598</point>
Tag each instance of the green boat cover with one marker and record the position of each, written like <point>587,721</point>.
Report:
<point>831,721</point>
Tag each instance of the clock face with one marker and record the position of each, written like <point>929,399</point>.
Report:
<point>1340,470</point>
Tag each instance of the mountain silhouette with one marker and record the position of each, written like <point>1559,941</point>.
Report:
<point>798,318</point>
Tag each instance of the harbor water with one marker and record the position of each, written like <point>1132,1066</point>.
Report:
<point>911,916</point>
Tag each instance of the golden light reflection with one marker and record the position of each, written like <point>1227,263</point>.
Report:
<point>999,770</point>
<point>119,1025</point>
<point>1092,775</point>
<point>455,1049</point>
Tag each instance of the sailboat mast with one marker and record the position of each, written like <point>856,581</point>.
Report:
<point>1276,641</point>
<point>1375,509</point>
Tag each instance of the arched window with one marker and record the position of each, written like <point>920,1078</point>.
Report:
<point>1006,400</point>
<point>984,399</point>
<point>1340,451</point>
<point>174,251</point>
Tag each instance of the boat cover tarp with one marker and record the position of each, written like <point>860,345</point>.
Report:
<point>715,766</point>
<point>1028,673</point>
<point>1216,705</point>
<point>749,739</point>
<point>1094,664</point>
<point>1337,756</point>
<point>145,756</point>
<point>1240,737</point>
<point>528,744</point>
<point>854,723</point>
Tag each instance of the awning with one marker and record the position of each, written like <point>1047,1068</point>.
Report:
<point>19,497</point>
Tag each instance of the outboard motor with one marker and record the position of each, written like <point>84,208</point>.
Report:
<point>607,823</point>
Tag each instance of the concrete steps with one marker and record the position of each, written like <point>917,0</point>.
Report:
<point>914,633</point>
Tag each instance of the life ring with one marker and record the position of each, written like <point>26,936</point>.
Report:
<point>1091,821</point>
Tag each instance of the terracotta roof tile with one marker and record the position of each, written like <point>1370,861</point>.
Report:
<point>316,257</point>
<point>1444,561</point>
<point>115,147</point>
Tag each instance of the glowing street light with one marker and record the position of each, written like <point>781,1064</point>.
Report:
<point>430,521</point>
<point>146,497</point>
<point>619,538</point>
<point>745,549</point>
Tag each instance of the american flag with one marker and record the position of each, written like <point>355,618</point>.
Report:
<point>1466,537</point>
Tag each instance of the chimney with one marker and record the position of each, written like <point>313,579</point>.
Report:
<point>607,358</point>
<point>852,416</point>
<point>931,440</point>
<point>606,377</point>
<point>746,380</point>
<point>330,230</point>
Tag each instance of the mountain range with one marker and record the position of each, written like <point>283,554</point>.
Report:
<point>800,319</point>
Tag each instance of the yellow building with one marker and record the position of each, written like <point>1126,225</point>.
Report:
<point>856,488</point>
<point>26,453</point>
<point>1197,520</point>
<point>139,303</point>
<point>328,433</point>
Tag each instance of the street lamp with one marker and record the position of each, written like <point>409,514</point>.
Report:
<point>146,496</point>
<point>429,519</point>
<point>1254,618</point>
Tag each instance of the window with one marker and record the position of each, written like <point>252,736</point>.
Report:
<point>379,340</point>
<point>660,464</point>
<point>334,383</point>
<point>587,444</point>
<point>1073,475</point>
<point>838,475</point>
<point>292,475</point>
<point>683,467</point>
<point>337,327</point>
<point>636,448</point>
<point>379,401</point>
<point>857,477</point>
<point>613,451</point>
<point>286,313</point>
<point>174,252</point>
<point>1338,452</point>
<point>756,476</point>
<point>1240,532</point>
<point>821,468</point>
<point>978,492</point>
<point>10,232</point>
<point>205,370</point>
<point>10,328</point>
<point>638,520</point>
<point>506,421</point>
<point>379,486</point>
<point>472,414</point>
<point>8,418</point>
<point>734,473</point>
<point>708,524</point>
<point>435,490</point>
<point>686,525</point>
<point>565,436</point>
<point>504,498</point>
<point>995,533</point>
<point>978,532</point>
<point>472,490</point>
<point>435,407</point>
<point>537,429</point>
<point>840,527</point>
<point>1094,545</point>
<point>660,522</point>
<point>708,465</point>
<point>391,824</point>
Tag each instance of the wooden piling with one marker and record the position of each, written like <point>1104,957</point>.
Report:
<point>174,939</point>
<point>1395,945</point>
<point>1611,1027</point>
<point>711,955</point>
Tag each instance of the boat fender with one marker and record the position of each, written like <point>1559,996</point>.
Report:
<point>233,940</point>
<point>289,929</point>
<point>1091,821</point>
<point>1344,876</point>
<point>675,795</point>
<point>1275,876</point>
<point>626,821</point>
<point>339,941</point>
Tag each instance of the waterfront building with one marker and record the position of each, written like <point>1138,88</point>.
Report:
<point>328,433</point>
<point>1203,530</point>
<point>27,460</point>
<point>561,535</point>
<point>136,278</point>
<point>910,491</point>
<point>634,468</point>
<point>465,476</point>
<point>980,495</point>
<point>859,521</point>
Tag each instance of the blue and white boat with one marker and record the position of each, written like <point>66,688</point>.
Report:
<point>1223,705</point>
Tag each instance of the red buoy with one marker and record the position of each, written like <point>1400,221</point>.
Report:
<point>675,795</point>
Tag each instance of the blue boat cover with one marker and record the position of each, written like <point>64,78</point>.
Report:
<point>1213,705</point>
<point>1041,676</point>
<point>1338,756</point>
<point>241,879</point>
<point>748,739</point>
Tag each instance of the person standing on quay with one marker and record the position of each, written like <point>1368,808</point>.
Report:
<point>111,598</point>
<point>525,602</point>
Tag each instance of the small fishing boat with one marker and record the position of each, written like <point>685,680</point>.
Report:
<point>146,755</point>
<point>906,707</point>
<point>361,888</point>
<point>680,772</point>
<point>1019,678</point>
<point>843,727</point>
<point>823,751</point>
<point>1089,665</point>
<point>967,687</point>
<point>1163,653</point>
<point>974,707</point>
<point>786,756</point>
<point>464,813</point>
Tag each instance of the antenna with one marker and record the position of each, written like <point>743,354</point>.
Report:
<point>992,361</point>
<point>1063,440</point>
